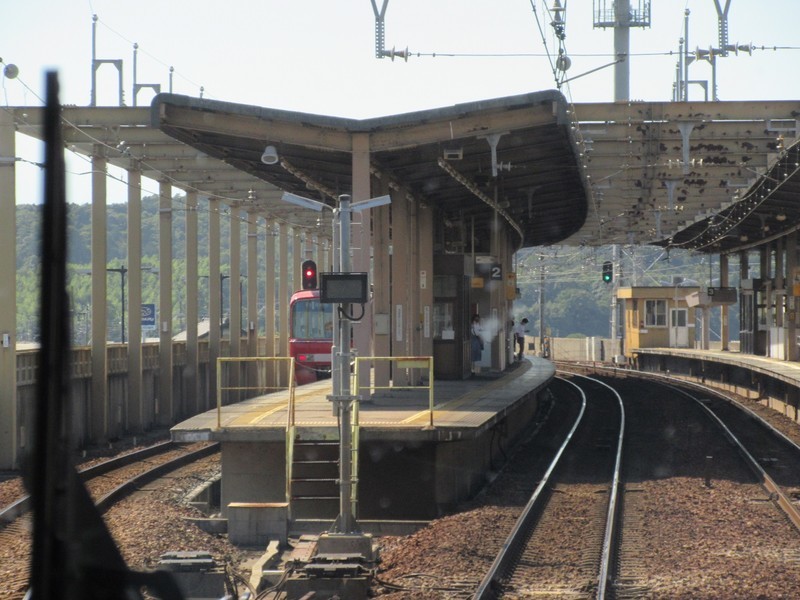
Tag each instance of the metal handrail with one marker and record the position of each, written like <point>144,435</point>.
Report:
<point>402,362</point>
<point>290,386</point>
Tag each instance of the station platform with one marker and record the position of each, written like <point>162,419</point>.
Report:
<point>407,469</point>
<point>773,382</point>
<point>462,409</point>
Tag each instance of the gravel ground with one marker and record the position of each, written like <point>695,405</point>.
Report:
<point>447,559</point>
<point>12,487</point>
<point>719,542</point>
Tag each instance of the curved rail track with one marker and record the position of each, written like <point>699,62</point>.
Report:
<point>577,493</point>
<point>143,466</point>
<point>108,482</point>
<point>700,459</point>
<point>765,450</point>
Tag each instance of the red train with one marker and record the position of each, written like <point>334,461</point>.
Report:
<point>310,336</point>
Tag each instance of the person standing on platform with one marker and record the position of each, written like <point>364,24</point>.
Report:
<point>475,341</point>
<point>519,336</point>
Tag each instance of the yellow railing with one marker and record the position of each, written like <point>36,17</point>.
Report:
<point>400,362</point>
<point>260,386</point>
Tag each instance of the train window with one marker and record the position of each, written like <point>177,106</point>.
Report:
<point>312,319</point>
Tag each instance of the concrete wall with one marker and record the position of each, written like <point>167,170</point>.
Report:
<point>80,387</point>
<point>254,472</point>
<point>595,349</point>
<point>591,349</point>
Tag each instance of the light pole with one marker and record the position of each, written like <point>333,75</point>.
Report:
<point>121,270</point>
<point>341,352</point>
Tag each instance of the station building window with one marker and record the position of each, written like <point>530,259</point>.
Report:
<point>655,313</point>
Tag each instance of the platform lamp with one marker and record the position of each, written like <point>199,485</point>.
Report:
<point>341,353</point>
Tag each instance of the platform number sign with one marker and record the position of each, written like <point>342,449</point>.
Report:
<point>488,267</point>
<point>149,315</point>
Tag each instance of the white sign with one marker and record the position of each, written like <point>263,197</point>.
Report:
<point>423,280</point>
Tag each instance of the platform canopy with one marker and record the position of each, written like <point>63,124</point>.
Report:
<point>705,176</point>
<point>512,155</point>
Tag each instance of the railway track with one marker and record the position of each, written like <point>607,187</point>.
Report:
<point>694,521</point>
<point>575,502</point>
<point>700,511</point>
<point>108,483</point>
<point>113,478</point>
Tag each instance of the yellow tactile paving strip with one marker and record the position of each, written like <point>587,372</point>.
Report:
<point>470,399</point>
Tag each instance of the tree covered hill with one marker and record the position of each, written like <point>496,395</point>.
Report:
<point>80,232</point>
<point>576,300</point>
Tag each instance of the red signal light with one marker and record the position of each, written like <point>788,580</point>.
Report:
<point>309,272</point>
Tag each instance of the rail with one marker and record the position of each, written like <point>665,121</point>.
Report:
<point>774,490</point>
<point>768,483</point>
<point>608,538</point>
<point>22,506</point>
<point>516,539</point>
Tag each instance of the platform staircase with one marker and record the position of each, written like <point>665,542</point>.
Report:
<point>313,488</point>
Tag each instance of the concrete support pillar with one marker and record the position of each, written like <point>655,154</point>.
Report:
<point>135,414</point>
<point>764,256</point>
<point>791,302</point>
<point>191,373</point>
<point>325,260</point>
<point>235,287</point>
<point>360,242</point>
<point>414,311</point>
<point>744,265</point>
<point>724,319</point>
<point>214,298</point>
<point>99,426</point>
<point>252,299</point>
<point>166,406</point>
<point>763,262</point>
<point>425,280</point>
<point>780,282</point>
<point>509,291</point>
<point>497,304</point>
<point>269,300</point>
<point>283,300</point>
<point>10,436</point>
<point>381,299</point>
<point>401,282</point>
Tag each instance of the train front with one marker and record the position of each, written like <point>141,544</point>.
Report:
<point>311,336</point>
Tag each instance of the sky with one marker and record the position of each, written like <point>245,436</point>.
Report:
<point>318,56</point>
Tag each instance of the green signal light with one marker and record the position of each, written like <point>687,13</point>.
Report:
<point>608,271</point>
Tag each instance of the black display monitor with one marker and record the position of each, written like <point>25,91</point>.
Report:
<point>343,288</point>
